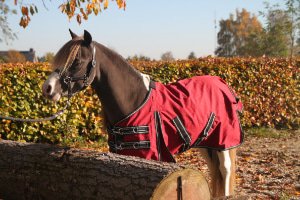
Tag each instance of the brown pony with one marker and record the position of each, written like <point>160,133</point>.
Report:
<point>124,91</point>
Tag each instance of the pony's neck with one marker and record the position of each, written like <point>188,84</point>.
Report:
<point>119,86</point>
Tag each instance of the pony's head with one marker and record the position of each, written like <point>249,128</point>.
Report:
<point>74,68</point>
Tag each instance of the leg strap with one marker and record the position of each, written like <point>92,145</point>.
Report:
<point>183,133</point>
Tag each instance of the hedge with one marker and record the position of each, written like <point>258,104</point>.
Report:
<point>268,87</point>
<point>20,96</point>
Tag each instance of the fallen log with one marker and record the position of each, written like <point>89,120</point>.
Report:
<point>42,171</point>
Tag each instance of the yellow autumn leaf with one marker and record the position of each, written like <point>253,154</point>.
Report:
<point>105,4</point>
<point>121,3</point>
<point>98,118</point>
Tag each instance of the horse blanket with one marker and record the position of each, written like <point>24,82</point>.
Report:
<point>198,112</point>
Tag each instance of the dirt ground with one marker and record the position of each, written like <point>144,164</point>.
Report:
<point>267,167</point>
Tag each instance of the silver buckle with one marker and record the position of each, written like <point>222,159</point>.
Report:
<point>93,63</point>
<point>67,79</point>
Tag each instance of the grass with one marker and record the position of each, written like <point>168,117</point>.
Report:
<point>99,144</point>
<point>285,196</point>
<point>269,132</point>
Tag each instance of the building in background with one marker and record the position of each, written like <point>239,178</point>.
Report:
<point>18,56</point>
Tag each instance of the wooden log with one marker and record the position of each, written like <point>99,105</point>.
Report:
<point>41,171</point>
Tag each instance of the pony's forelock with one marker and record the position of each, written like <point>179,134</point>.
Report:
<point>64,52</point>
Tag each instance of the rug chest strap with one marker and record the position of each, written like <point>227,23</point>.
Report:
<point>118,133</point>
<point>128,145</point>
<point>128,130</point>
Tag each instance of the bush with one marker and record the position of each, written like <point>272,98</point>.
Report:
<point>269,89</point>
<point>20,96</point>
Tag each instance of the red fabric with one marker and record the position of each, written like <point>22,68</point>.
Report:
<point>192,100</point>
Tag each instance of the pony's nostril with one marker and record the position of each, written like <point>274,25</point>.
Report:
<point>48,89</point>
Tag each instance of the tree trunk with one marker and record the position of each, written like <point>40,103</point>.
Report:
<point>41,171</point>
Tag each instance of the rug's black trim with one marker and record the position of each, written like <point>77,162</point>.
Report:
<point>161,145</point>
<point>183,133</point>
<point>207,128</point>
<point>158,133</point>
<point>238,112</point>
<point>136,110</point>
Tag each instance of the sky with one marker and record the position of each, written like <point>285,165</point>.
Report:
<point>146,27</point>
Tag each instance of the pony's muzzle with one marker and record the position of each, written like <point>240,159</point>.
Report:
<point>48,88</point>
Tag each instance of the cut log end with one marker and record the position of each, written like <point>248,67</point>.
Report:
<point>183,184</point>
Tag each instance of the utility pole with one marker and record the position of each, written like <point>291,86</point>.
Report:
<point>215,34</point>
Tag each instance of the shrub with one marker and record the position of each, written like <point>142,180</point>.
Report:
<point>269,89</point>
<point>20,96</point>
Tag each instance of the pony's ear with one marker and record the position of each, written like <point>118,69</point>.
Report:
<point>73,35</point>
<point>87,38</point>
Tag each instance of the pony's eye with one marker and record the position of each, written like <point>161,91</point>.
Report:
<point>76,63</point>
<point>75,66</point>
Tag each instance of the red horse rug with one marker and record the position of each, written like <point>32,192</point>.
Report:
<point>198,112</point>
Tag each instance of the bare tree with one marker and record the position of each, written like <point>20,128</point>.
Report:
<point>80,10</point>
<point>6,33</point>
<point>293,11</point>
<point>168,56</point>
<point>192,56</point>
